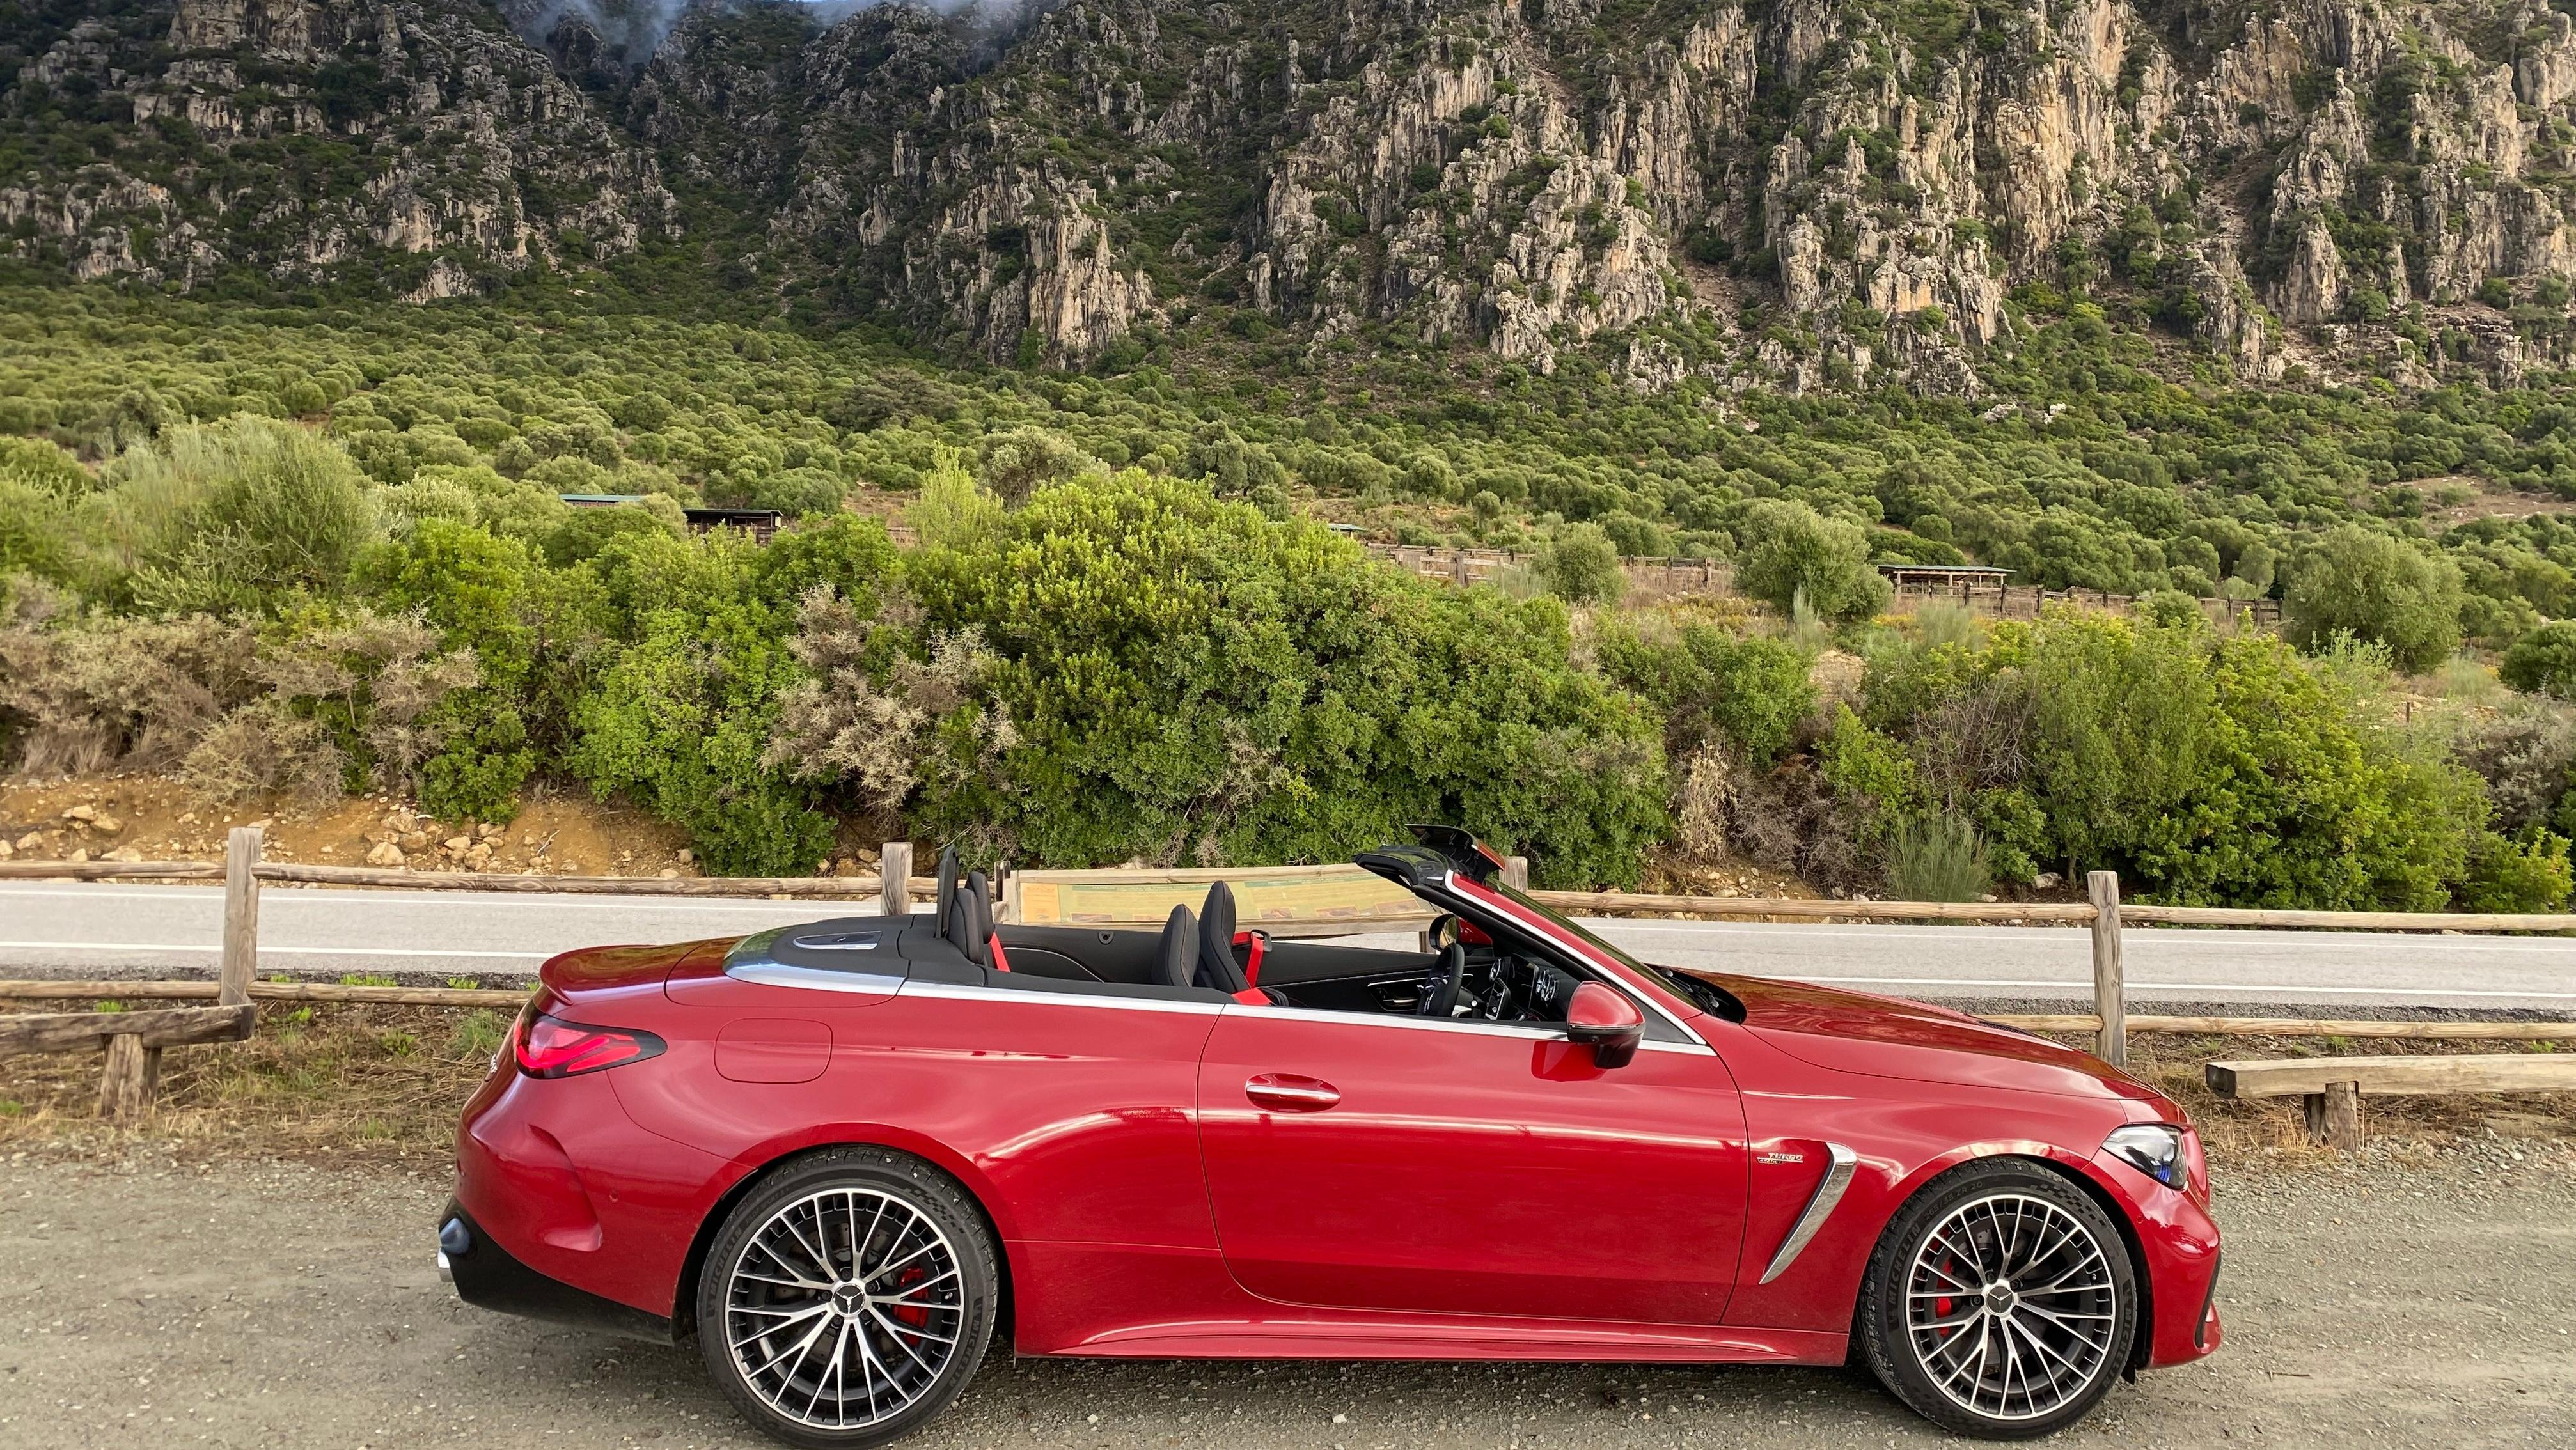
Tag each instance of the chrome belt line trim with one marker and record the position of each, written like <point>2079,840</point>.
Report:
<point>1820,1207</point>
<point>781,974</point>
<point>962,993</point>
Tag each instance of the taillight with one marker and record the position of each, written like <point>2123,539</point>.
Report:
<point>552,1047</point>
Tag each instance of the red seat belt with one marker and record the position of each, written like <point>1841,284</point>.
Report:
<point>1001,963</point>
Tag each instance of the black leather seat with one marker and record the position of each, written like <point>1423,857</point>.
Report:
<point>1218,965</point>
<point>1176,961</point>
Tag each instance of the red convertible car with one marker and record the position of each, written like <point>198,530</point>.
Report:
<point>844,1156</point>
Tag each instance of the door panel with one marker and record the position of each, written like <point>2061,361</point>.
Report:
<point>1447,1169</point>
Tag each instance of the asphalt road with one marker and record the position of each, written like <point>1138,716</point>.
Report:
<point>107,929</point>
<point>2421,1304</point>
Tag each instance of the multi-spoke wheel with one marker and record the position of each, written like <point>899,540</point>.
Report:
<point>847,1300</point>
<point>2000,1302</point>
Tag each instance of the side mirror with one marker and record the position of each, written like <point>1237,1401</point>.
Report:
<point>1606,1022</point>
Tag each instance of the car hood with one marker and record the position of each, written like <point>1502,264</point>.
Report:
<point>1890,1037</point>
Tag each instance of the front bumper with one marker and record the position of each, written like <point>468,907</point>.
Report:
<point>488,1276</point>
<point>2179,1241</point>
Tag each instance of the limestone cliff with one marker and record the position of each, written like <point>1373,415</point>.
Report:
<point>1797,193</point>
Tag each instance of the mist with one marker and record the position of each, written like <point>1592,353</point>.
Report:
<point>630,31</point>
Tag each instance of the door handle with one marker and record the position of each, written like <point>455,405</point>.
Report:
<point>1289,1093</point>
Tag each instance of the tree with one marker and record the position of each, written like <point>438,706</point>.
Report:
<point>2374,587</point>
<point>1787,551</point>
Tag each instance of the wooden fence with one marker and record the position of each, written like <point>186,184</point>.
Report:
<point>1299,900</point>
<point>1685,577</point>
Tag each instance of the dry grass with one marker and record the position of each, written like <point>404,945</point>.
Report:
<point>384,1081</point>
<point>387,1083</point>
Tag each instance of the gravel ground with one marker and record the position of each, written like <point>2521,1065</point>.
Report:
<point>2407,1297</point>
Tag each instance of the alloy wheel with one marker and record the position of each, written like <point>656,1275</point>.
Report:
<point>2011,1306</point>
<point>844,1307</point>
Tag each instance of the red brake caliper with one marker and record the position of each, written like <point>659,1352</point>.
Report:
<point>916,1315</point>
<point>1941,1306</point>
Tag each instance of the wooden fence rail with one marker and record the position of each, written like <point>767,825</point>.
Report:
<point>126,1082</point>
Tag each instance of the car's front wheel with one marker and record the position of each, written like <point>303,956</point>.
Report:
<point>848,1299</point>
<point>2000,1302</point>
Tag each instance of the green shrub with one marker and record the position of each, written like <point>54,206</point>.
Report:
<point>2543,662</point>
<point>2376,588</point>
<point>952,511</point>
<point>2525,872</point>
<point>1581,566</point>
<point>1787,552</point>
<point>239,515</point>
<point>1936,857</point>
<point>1750,690</point>
<point>1177,678</point>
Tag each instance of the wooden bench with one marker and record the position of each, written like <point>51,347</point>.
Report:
<point>133,1039</point>
<point>2332,1087</point>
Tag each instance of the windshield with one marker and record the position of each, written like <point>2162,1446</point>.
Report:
<point>1705,995</point>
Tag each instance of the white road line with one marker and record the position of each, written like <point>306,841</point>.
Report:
<point>2284,940</point>
<point>272,896</point>
<point>118,946</point>
<point>2085,989</point>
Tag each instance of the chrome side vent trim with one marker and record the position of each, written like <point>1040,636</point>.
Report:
<point>1838,1176</point>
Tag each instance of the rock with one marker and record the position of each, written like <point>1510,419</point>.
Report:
<point>414,840</point>
<point>79,853</point>
<point>81,813</point>
<point>686,856</point>
<point>386,853</point>
<point>490,830</point>
<point>33,840</point>
<point>2045,881</point>
<point>122,853</point>
<point>7,850</point>
<point>457,845</point>
<point>107,825</point>
<point>668,874</point>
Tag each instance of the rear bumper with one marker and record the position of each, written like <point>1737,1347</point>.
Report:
<point>488,1276</point>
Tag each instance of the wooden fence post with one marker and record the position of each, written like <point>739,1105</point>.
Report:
<point>895,864</point>
<point>126,1083</point>
<point>2334,1116</point>
<point>1516,872</point>
<point>241,916</point>
<point>2109,999</point>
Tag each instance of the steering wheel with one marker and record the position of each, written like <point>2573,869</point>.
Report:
<point>1440,993</point>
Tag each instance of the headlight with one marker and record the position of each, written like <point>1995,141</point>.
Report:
<point>2154,1149</point>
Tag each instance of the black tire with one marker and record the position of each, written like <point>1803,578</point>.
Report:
<point>913,1330</point>
<point>2070,1312</point>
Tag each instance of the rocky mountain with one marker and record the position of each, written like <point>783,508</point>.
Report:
<point>1803,193</point>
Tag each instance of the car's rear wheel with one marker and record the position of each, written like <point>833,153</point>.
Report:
<point>848,1299</point>
<point>2000,1302</point>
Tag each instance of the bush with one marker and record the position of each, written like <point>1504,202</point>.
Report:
<point>1176,678</point>
<point>2375,588</point>
<point>1937,857</point>
<point>2525,872</point>
<point>239,516</point>
<point>952,511</point>
<point>1581,566</point>
<point>1751,691</point>
<point>1787,552</point>
<point>2543,662</point>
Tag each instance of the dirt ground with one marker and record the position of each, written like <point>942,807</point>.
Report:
<point>2410,1297</point>
<point>156,818</point>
